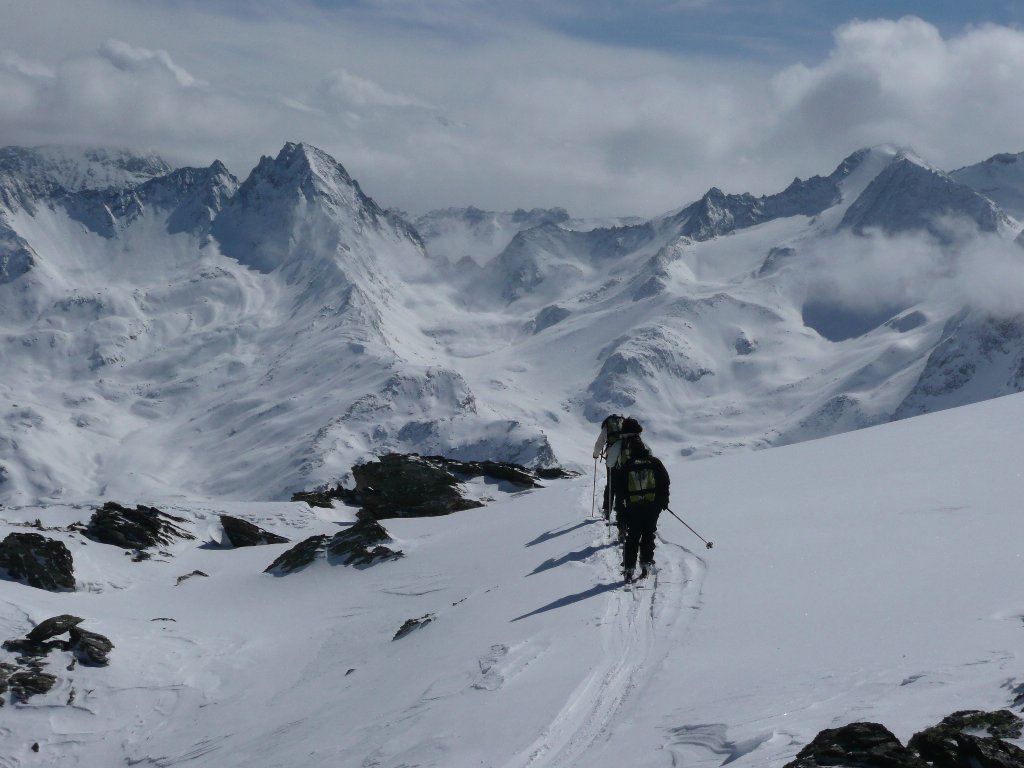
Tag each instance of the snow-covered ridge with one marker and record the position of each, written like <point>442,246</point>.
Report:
<point>52,168</point>
<point>1000,178</point>
<point>187,334</point>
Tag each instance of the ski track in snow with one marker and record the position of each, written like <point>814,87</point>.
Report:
<point>637,630</point>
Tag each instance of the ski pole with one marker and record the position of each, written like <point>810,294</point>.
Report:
<point>593,497</point>
<point>709,544</point>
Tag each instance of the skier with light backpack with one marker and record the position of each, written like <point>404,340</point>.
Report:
<point>641,487</point>
<point>615,430</point>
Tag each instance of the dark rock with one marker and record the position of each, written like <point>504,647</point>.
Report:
<point>90,648</point>
<point>139,528</point>
<point>411,625</point>
<point>58,625</point>
<point>30,682</point>
<point>957,742</point>
<point>555,473</point>
<point>360,545</point>
<point>32,648</point>
<point>241,533</point>
<point>409,485</point>
<point>299,556</point>
<point>34,560</point>
<point>325,497</point>
<point>400,485</point>
<point>188,576</point>
<point>857,745</point>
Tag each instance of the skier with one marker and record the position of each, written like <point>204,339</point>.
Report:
<point>643,486</point>
<point>614,430</point>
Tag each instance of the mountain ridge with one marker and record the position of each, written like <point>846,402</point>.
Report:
<point>292,325</point>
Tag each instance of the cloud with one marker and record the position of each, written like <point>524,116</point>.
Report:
<point>871,272</point>
<point>130,59</point>
<point>119,94</point>
<point>956,100</point>
<point>342,89</point>
<point>459,103</point>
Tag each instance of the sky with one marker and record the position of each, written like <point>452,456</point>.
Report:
<point>604,108</point>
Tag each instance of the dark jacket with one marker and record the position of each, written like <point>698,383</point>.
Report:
<point>643,483</point>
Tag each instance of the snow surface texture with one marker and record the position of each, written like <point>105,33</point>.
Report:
<point>872,576</point>
<point>177,334</point>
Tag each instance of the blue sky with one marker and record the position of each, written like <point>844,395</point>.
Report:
<point>776,30</point>
<point>770,30</point>
<point>605,108</point>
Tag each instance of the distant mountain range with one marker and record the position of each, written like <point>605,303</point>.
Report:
<point>175,332</point>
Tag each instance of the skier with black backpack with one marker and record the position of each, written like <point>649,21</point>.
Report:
<point>643,487</point>
<point>615,430</point>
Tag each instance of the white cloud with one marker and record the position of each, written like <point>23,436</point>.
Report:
<point>342,89</point>
<point>127,58</point>
<point>956,100</point>
<point>493,111</point>
<point>874,271</point>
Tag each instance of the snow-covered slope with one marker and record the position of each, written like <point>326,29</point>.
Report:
<point>51,168</point>
<point>872,576</point>
<point>1000,178</point>
<point>182,334</point>
<point>455,234</point>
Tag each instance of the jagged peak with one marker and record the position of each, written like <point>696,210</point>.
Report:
<point>305,170</point>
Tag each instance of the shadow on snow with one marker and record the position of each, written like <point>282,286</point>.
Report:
<point>548,535</point>
<point>572,557</point>
<point>594,591</point>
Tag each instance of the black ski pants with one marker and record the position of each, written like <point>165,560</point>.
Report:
<point>641,528</point>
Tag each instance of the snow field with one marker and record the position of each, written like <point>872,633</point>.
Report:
<point>870,576</point>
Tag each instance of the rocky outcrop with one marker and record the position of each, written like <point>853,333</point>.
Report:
<point>958,741</point>
<point>408,485</point>
<point>188,576</point>
<point>362,545</point>
<point>242,533</point>
<point>28,677</point>
<point>139,529</point>
<point>967,739</point>
<point>26,682</point>
<point>35,560</point>
<point>400,485</point>
<point>58,625</point>
<point>857,745</point>
<point>90,648</point>
<point>411,625</point>
<point>299,556</point>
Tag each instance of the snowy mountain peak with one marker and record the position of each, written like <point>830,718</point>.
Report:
<point>909,194</point>
<point>303,206</point>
